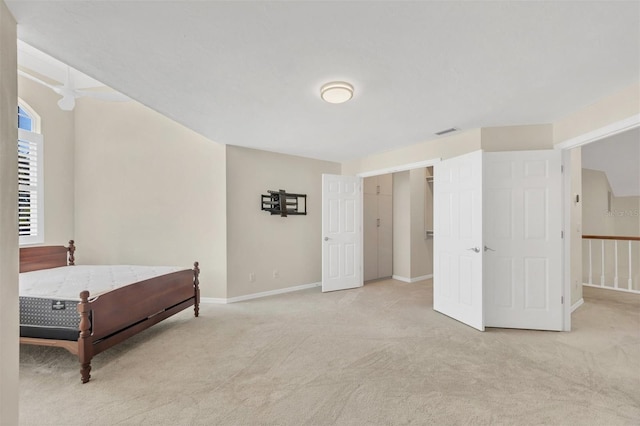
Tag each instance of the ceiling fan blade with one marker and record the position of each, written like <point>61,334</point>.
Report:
<point>37,80</point>
<point>105,96</point>
<point>69,95</point>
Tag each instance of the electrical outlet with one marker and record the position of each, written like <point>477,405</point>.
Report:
<point>252,277</point>
<point>276,274</point>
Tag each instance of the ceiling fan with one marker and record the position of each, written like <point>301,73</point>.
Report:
<point>70,93</point>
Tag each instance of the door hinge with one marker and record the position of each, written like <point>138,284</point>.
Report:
<point>561,234</point>
<point>562,300</point>
<point>378,222</point>
<point>378,189</point>
<point>561,169</point>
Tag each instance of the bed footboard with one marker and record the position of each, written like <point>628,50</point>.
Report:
<point>113,317</point>
<point>119,314</point>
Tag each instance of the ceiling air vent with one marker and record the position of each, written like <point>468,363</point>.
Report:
<point>444,132</point>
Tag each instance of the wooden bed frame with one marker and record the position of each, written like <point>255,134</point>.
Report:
<point>114,316</point>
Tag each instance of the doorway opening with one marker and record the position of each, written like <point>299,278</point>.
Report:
<point>575,247</point>
<point>407,251</point>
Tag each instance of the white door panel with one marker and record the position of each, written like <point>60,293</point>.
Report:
<point>523,264</point>
<point>457,286</point>
<point>342,232</point>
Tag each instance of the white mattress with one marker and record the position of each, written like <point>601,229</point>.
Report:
<point>66,283</point>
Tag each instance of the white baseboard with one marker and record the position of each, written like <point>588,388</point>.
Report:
<point>411,280</point>
<point>624,290</point>
<point>421,278</point>
<point>258,295</point>
<point>213,300</point>
<point>577,304</point>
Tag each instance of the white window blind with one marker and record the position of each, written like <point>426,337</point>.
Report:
<point>30,187</point>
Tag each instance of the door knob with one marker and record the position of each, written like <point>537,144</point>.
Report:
<point>326,238</point>
<point>488,248</point>
<point>474,249</point>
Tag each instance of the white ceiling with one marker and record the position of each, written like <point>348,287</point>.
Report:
<point>619,157</point>
<point>249,73</point>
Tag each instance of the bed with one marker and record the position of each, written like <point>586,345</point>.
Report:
<point>89,322</point>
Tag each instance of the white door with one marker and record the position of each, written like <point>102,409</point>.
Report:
<point>457,275</point>
<point>341,232</point>
<point>522,236</point>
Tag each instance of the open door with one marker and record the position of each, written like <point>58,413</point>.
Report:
<point>523,240</point>
<point>501,267</point>
<point>457,244</point>
<point>341,232</point>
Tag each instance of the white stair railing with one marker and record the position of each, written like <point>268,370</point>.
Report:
<point>612,267</point>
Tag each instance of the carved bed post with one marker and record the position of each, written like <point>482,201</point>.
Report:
<point>71,250</point>
<point>85,348</point>
<point>196,288</point>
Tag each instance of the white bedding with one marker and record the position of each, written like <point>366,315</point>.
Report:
<point>66,283</point>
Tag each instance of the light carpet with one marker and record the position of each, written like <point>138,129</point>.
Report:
<point>378,355</point>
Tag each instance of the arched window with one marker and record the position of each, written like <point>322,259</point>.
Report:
<point>28,119</point>
<point>30,176</point>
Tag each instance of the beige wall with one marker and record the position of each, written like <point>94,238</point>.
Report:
<point>148,191</point>
<point>515,138</point>
<point>260,243</point>
<point>57,128</point>
<point>626,216</point>
<point>444,147</point>
<point>9,324</point>
<point>575,227</point>
<point>610,109</point>
<point>506,138</point>
<point>402,225</point>
<point>595,218</point>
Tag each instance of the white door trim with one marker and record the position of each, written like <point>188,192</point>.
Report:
<point>601,133</point>
<point>581,140</point>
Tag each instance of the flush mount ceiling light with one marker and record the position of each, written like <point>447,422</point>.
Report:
<point>336,92</point>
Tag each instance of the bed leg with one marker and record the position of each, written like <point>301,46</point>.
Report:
<point>85,348</point>
<point>196,288</point>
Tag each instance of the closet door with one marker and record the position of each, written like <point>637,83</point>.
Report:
<point>458,249</point>
<point>378,227</point>
<point>501,267</point>
<point>370,228</point>
<point>385,228</point>
<point>523,240</point>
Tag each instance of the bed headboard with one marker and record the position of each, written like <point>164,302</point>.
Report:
<point>45,257</point>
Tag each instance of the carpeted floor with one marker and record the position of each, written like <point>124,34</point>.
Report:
<point>378,355</point>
